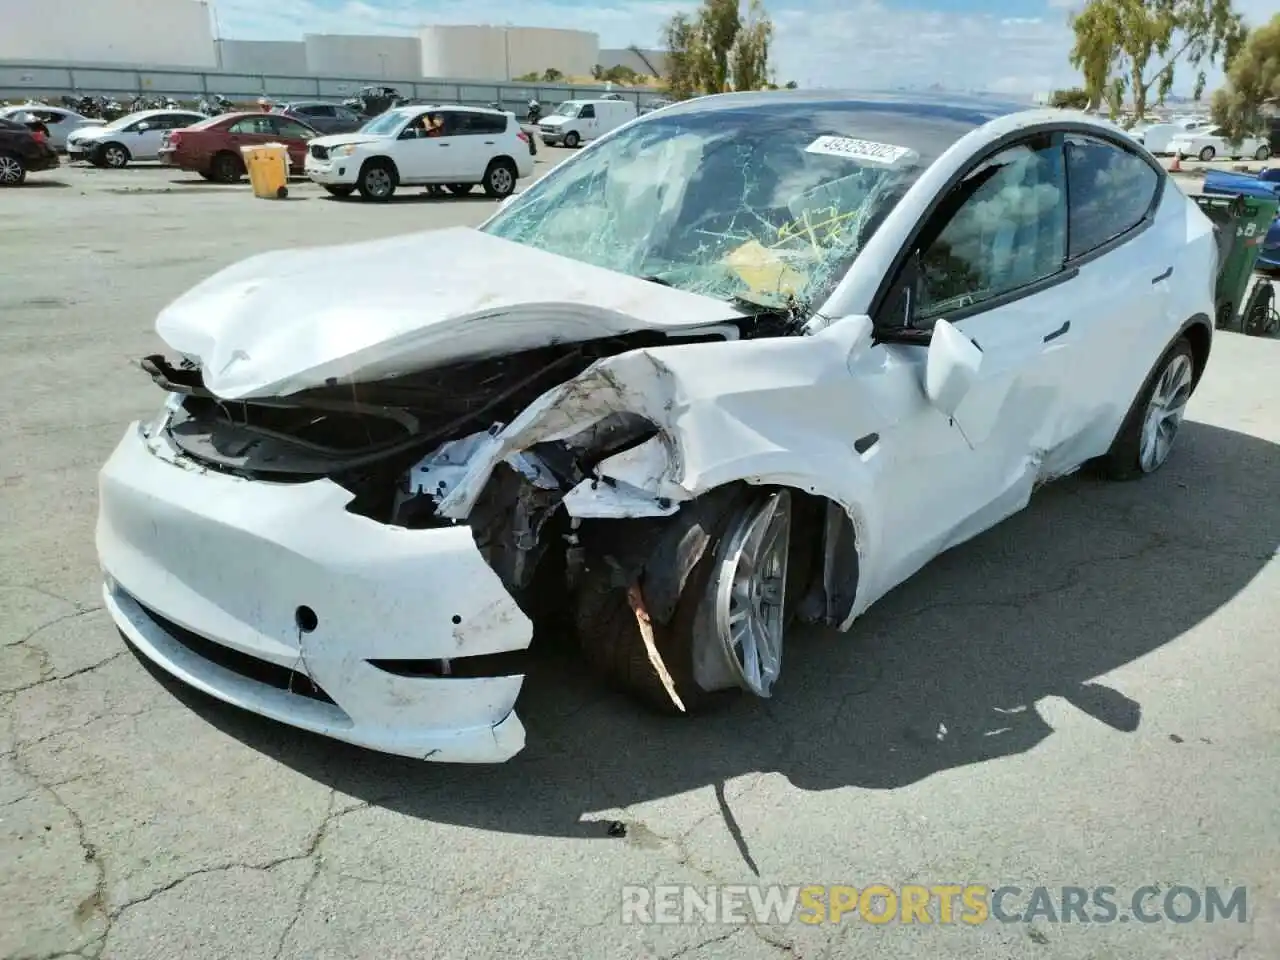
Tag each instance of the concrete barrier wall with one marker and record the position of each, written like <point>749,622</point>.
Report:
<point>20,81</point>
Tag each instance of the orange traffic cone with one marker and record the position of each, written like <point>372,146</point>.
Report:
<point>1176,166</point>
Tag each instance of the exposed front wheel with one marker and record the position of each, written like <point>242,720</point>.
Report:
<point>1146,438</point>
<point>377,181</point>
<point>571,139</point>
<point>115,156</point>
<point>1262,153</point>
<point>1207,154</point>
<point>727,630</point>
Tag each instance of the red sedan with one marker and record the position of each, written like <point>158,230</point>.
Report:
<point>211,148</point>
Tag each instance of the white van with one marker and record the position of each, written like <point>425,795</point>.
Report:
<point>577,121</point>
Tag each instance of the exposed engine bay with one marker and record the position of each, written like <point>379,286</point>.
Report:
<point>402,446</point>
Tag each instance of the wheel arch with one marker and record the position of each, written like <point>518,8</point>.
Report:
<point>380,158</point>
<point>1198,330</point>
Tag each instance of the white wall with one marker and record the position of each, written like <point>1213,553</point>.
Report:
<point>501,53</point>
<point>628,58</point>
<point>572,52</point>
<point>162,32</point>
<point>279,57</point>
<point>363,57</point>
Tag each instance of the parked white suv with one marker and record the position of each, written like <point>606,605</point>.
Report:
<point>451,146</point>
<point>136,136</point>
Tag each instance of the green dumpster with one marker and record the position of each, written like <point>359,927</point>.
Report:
<point>1242,223</point>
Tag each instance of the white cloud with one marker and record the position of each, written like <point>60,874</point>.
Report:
<point>855,43</point>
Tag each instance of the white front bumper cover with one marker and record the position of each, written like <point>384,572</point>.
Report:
<point>197,560</point>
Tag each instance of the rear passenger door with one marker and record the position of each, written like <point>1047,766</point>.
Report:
<point>479,137</point>
<point>1121,287</point>
<point>252,131</point>
<point>588,122</point>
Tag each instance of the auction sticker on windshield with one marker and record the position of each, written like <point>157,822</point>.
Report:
<point>868,150</point>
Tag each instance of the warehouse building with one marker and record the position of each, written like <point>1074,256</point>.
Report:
<point>185,33</point>
<point>158,32</point>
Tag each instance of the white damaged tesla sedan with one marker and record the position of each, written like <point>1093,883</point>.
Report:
<point>747,361</point>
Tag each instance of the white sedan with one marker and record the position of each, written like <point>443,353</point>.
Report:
<point>765,358</point>
<point>135,136</point>
<point>432,146</point>
<point>58,121</point>
<point>1208,144</point>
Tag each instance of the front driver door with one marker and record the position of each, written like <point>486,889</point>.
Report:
<point>991,263</point>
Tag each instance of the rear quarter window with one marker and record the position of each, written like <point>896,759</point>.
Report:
<point>1111,191</point>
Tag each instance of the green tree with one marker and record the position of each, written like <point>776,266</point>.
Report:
<point>1253,83</point>
<point>551,75</point>
<point>533,76</point>
<point>723,46</point>
<point>1131,48</point>
<point>1075,98</point>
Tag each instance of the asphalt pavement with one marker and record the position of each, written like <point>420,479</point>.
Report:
<point>1083,697</point>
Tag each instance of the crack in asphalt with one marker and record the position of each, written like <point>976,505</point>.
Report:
<point>80,611</point>
<point>58,677</point>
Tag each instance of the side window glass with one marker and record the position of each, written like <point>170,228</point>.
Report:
<point>293,131</point>
<point>454,124</point>
<point>1111,192</point>
<point>253,126</point>
<point>588,112</point>
<point>1006,228</point>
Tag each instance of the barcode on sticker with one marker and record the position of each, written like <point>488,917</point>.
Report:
<point>868,150</point>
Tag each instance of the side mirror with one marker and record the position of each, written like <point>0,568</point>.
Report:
<point>951,369</point>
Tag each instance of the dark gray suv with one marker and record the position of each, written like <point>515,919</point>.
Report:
<point>325,117</point>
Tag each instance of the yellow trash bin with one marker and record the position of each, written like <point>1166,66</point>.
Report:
<point>268,167</point>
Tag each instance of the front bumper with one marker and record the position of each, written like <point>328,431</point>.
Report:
<point>335,172</point>
<point>198,560</point>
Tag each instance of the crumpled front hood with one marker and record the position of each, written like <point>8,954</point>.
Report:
<point>287,321</point>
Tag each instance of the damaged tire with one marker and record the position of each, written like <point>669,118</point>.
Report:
<point>739,610</point>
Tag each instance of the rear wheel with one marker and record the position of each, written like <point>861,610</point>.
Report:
<point>226,167</point>
<point>378,181</point>
<point>12,170</point>
<point>500,178</point>
<point>115,156</point>
<point>1146,438</point>
<point>461,189</point>
<point>339,191</point>
<point>1262,153</point>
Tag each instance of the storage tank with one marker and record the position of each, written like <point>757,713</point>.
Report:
<point>154,32</point>
<point>504,53</point>
<point>363,57</point>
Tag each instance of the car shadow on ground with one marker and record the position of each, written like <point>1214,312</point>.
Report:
<point>44,184</point>
<point>943,672</point>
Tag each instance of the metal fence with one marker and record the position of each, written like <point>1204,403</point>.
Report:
<point>21,81</point>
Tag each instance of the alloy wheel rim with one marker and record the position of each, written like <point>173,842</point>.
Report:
<point>1164,414</point>
<point>501,180</point>
<point>750,599</point>
<point>115,157</point>
<point>10,170</point>
<point>378,182</point>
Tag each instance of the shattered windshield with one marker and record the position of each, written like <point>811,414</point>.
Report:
<point>768,202</point>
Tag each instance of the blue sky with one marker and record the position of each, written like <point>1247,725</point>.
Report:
<point>1009,46</point>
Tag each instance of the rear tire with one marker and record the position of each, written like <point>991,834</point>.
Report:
<point>1125,460</point>
<point>500,179</point>
<point>226,167</point>
<point>13,172</point>
<point>378,181</point>
<point>1263,153</point>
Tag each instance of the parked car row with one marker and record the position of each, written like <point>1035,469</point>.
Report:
<point>440,147</point>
